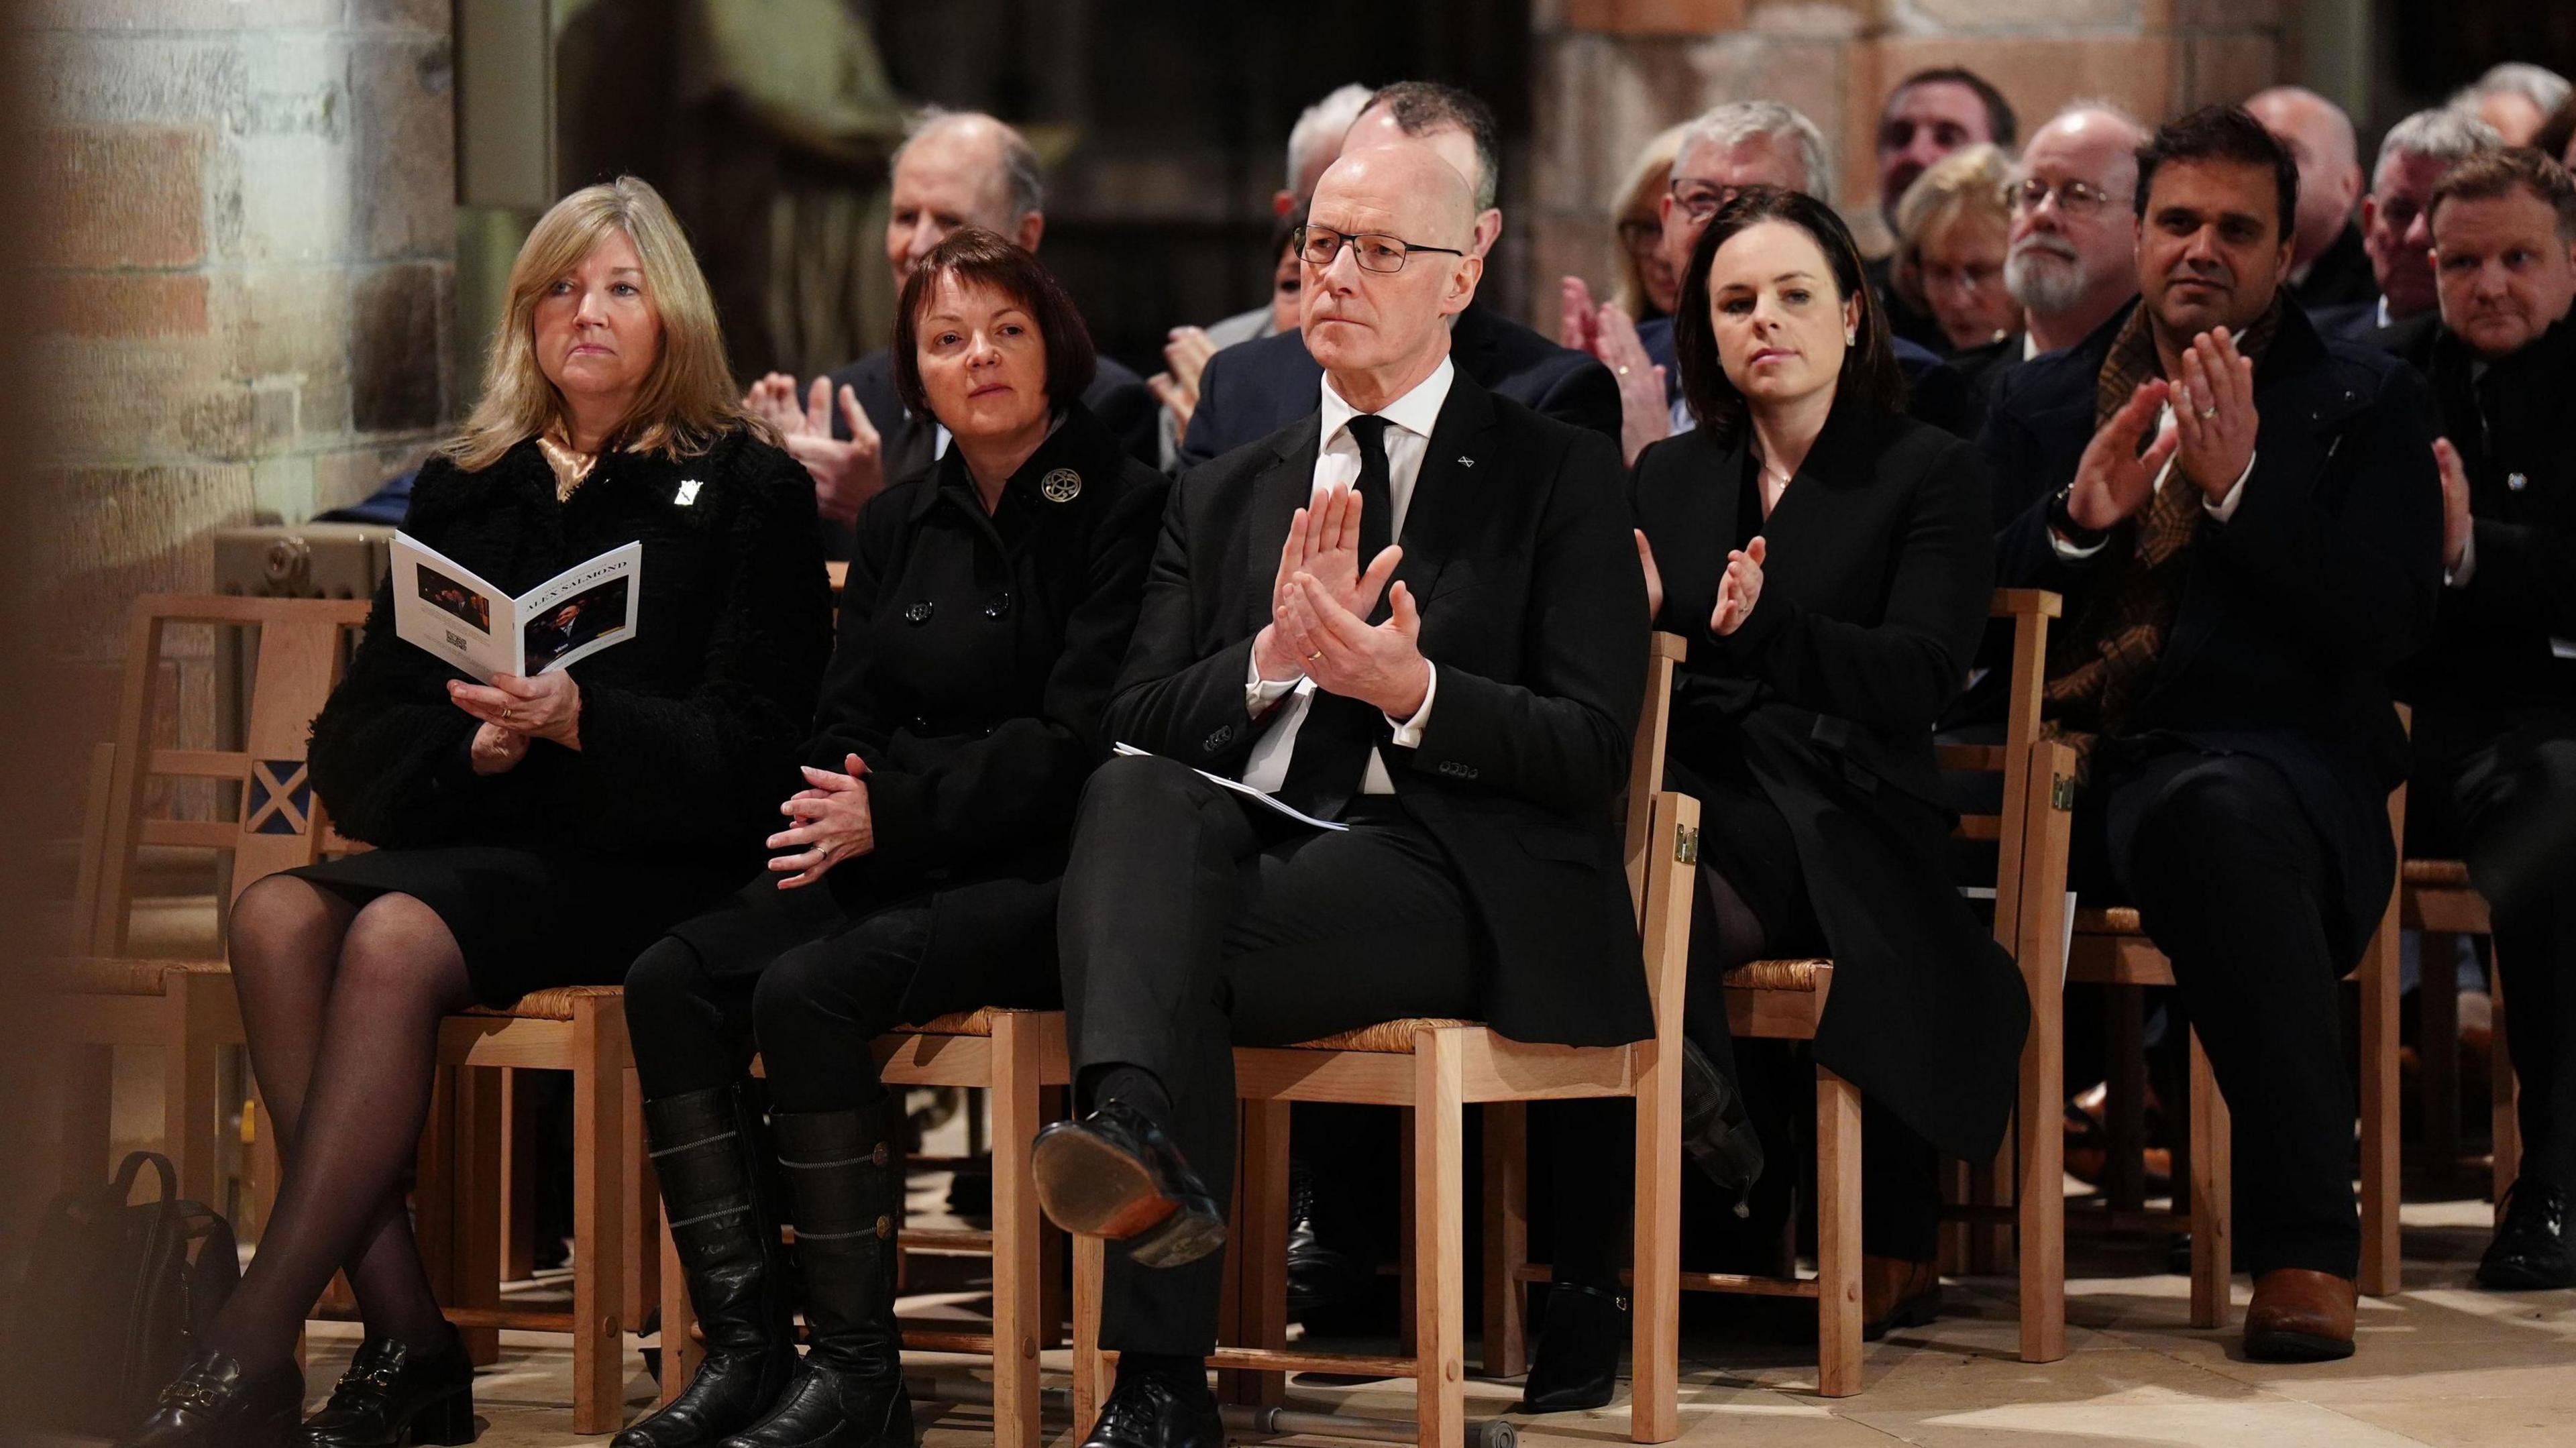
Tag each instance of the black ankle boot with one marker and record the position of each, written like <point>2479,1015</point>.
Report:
<point>841,1184</point>
<point>1577,1362</point>
<point>706,1154</point>
<point>213,1404</point>
<point>391,1395</point>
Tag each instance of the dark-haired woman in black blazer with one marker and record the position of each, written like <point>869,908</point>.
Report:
<point>1830,562</point>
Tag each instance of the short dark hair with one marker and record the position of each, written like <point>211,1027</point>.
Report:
<point>2223,133</point>
<point>2493,174</point>
<point>977,257</point>
<point>1869,374</point>
<point>2002,126</point>
<point>1427,105</point>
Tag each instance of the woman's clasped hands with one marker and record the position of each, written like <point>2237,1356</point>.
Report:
<point>512,711</point>
<point>832,824</point>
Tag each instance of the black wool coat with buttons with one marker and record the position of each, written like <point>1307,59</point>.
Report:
<point>975,659</point>
<point>686,728</point>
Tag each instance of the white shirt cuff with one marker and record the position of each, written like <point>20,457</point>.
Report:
<point>2459,577</point>
<point>2225,508</point>
<point>1260,693</point>
<point>1408,732</point>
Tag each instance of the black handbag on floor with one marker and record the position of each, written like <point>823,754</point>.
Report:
<point>116,1292</point>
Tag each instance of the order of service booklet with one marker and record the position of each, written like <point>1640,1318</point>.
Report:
<point>444,607</point>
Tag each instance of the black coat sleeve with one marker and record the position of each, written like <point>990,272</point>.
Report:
<point>1169,700</point>
<point>1022,780</point>
<point>1901,672</point>
<point>1560,734</point>
<point>693,768</point>
<point>1208,420</point>
<point>2360,579</point>
<point>388,752</point>
<point>2525,575</point>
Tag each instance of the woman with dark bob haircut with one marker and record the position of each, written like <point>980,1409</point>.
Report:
<point>986,612</point>
<point>1830,561</point>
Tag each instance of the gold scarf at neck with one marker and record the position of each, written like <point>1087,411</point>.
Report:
<point>569,467</point>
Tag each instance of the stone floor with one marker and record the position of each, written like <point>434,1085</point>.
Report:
<point>2440,1364</point>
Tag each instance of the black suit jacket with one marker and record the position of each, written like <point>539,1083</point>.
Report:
<point>2293,612</point>
<point>2339,277</point>
<point>2491,665</point>
<point>1116,396</point>
<point>1880,566</point>
<point>1533,611</point>
<point>1253,389</point>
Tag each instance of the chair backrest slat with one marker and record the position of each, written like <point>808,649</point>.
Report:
<point>280,824</point>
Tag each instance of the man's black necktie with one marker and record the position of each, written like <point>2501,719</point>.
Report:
<point>1330,759</point>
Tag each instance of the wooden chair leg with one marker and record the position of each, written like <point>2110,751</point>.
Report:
<point>206,1016</point>
<point>1838,1245</point>
<point>1014,1098</point>
<point>519,1172</point>
<point>601,1060</point>
<point>433,1193</point>
<point>2039,1189</point>
<point>1261,1223</point>
<point>2213,1222</point>
<point>2380,1272</point>
<point>1090,1369</point>
<point>1654,1397</point>
<point>2437,1049</point>
<point>474,1219</point>
<point>1504,1132</point>
<point>2504,1115</point>
<point>1438,1232</point>
<point>640,1253</point>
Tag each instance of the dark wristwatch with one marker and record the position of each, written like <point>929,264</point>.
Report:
<point>2061,521</point>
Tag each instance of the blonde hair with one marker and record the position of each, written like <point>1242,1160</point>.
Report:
<point>688,399</point>
<point>1638,194</point>
<point>1968,181</point>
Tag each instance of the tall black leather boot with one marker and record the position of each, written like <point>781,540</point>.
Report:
<point>707,1155</point>
<point>841,1184</point>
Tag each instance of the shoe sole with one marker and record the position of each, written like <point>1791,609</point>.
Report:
<point>2296,1347</point>
<point>1093,1189</point>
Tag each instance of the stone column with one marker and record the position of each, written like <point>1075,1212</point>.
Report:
<point>1611,73</point>
<point>244,235</point>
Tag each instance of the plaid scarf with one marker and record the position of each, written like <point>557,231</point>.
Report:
<point>2103,661</point>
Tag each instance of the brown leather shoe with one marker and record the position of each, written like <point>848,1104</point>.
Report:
<point>2299,1316</point>
<point>1897,1293</point>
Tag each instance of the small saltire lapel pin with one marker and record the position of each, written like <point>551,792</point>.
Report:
<point>688,492</point>
<point>1061,486</point>
<point>1465,461</point>
<point>2516,481</point>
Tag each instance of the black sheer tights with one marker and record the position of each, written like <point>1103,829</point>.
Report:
<point>341,1004</point>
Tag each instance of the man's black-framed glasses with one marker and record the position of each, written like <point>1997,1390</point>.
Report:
<point>1374,251</point>
<point>1699,200</point>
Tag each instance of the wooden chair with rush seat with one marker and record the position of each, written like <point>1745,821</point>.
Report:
<point>2112,949</point>
<point>185,1009</point>
<point>1018,1056</point>
<point>1433,1068</point>
<point>1785,999</point>
<point>2435,897</point>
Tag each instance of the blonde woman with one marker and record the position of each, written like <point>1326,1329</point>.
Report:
<point>534,832</point>
<point>1953,229</point>
<point>1648,282</point>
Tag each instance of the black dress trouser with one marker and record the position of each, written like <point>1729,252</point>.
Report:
<point>2513,805</point>
<point>2234,884</point>
<point>1193,921</point>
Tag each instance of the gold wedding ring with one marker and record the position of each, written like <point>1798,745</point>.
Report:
<point>2207,413</point>
<point>1317,654</point>
<point>1623,369</point>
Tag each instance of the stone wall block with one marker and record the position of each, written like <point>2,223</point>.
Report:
<point>160,80</point>
<point>405,96</point>
<point>2225,69</point>
<point>116,196</point>
<point>113,16</point>
<point>147,304</point>
<point>395,348</point>
<point>1954,16</point>
<point>428,17</point>
<point>1654,17</point>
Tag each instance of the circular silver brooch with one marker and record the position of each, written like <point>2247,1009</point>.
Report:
<point>1061,486</point>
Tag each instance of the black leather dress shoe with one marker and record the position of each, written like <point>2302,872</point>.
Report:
<point>1577,1362</point>
<point>1321,1276</point>
<point>392,1395</point>
<point>1146,1411</point>
<point>2530,1251</point>
<point>211,1404</point>
<point>1115,1174</point>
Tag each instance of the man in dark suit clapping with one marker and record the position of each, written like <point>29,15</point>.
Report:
<point>1416,612</point>
<point>2495,696</point>
<point>2234,599</point>
<point>1252,389</point>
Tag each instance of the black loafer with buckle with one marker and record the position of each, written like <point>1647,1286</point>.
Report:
<point>393,1394</point>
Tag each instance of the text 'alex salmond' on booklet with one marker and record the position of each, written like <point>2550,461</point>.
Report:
<point>444,607</point>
